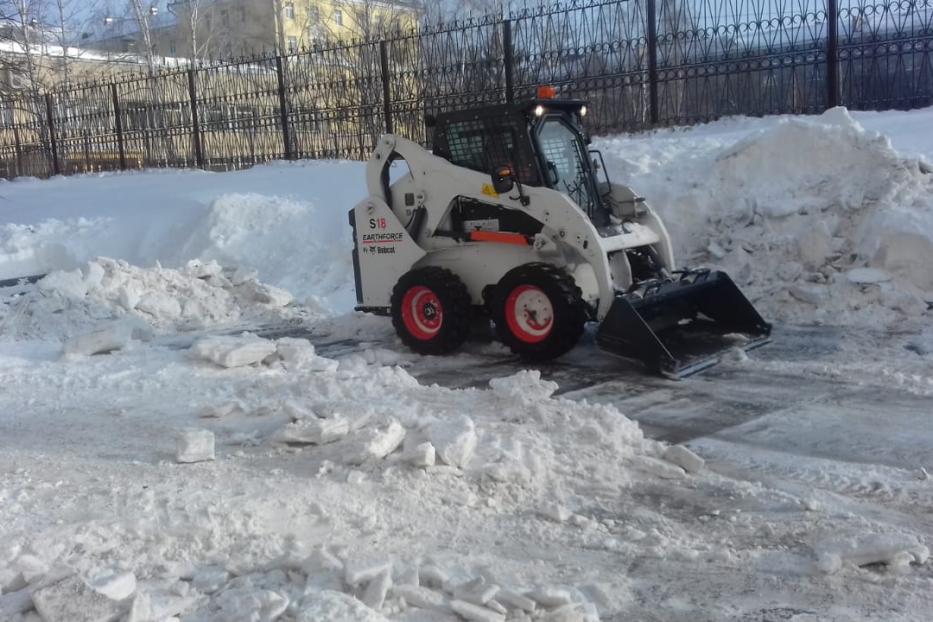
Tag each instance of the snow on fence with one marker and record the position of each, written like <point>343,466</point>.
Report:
<point>640,64</point>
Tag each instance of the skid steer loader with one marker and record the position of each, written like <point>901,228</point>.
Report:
<point>513,216</point>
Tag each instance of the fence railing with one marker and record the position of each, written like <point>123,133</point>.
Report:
<point>639,63</point>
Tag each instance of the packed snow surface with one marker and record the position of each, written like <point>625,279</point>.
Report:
<point>173,447</point>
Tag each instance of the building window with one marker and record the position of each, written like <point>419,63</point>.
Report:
<point>314,14</point>
<point>293,44</point>
<point>338,17</point>
<point>242,14</point>
<point>290,11</point>
<point>225,17</point>
<point>173,47</point>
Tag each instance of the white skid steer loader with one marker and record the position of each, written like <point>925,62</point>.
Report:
<point>514,217</point>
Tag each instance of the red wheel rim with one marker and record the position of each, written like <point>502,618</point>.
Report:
<point>529,314</point>
<point>422,313</point>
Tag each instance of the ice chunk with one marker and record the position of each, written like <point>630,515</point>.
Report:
<point>477,591</point>
<point>233,351</point>
<point>514,600</point>
<point>71,600</point>
<point>454,440</point>
<point>525,386</point>
<point>422,597</point>
<point>573,612</point>
<point>16,602</point>
<point>684,458</point>
<point>115,584</point>
<point>475,613</point>
<point>811,294</point>
<point>110,339</point>
<point>550,596</point>
<point>432,576</point>
<point>421,455</point>
<point>877,549</point>
<point>360,571</point>
<point>294,351</point>
<point>70,284</point>
<point>377,589</point>
<point>159,305</point>
<point>315,431</point>
<point>377,444</point>
<point>210,579</point>
<point>556,512</point>
<point>194,446</point>
<point>814,246</point>
<point>659,468</point>
<point>867,276</point>
<point>335,606</point>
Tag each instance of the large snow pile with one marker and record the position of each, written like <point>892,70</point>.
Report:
<point>285,221</point>
<point>200,295</point>
<point>819,218</point>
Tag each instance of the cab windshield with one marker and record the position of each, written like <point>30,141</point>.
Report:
<point>566,167</point>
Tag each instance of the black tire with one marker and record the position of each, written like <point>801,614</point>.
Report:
<point>416,318</point>
<point>567,315</point>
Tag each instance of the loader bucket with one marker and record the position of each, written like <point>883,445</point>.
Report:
<point>679,327</point>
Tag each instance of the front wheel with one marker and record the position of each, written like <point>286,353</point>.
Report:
<point>431,310</point>
<point>538,311</point>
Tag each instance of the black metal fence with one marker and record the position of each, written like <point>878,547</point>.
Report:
<point>640,64</point>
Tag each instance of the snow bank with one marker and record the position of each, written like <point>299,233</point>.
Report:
<point>790,209</point>
<point>284,221</point>
<point>83,304</point>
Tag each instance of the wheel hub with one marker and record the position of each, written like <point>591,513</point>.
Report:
<point>529,313</point>
<point>422,313</point>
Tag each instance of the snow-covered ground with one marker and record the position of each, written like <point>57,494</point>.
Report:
<point>352,480</point>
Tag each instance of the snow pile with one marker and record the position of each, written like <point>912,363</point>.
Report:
<point>26,250</point>
<point>72,304</point>
<point>795,213</point>
<point>283,240</point>
<point>285,221</point>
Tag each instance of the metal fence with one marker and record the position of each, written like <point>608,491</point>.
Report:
<point>640,64</point>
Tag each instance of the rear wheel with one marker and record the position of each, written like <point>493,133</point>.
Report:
<point>538,311</point>
<point>431,310</point>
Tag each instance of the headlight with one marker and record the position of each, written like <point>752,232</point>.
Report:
<point>583,111</point>
<point>539,111</point>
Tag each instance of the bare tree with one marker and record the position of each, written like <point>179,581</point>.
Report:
<point>70,16</point>
<point>197,19</point>
<point>142,12</point>
<point>21,22</point>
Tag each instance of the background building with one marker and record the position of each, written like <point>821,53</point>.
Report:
<point>202,29</point>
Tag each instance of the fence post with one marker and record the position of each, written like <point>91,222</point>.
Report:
<point>832,53</point>
<point>118,125</point>
<point>283,107</point>
<point>53,142</point>
<point>18,145</point>
<point>652,44</point>
<point>386,92</point>
<point>195,125</point>
<point>509,60</point>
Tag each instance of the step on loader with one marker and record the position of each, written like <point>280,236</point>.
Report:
<point>514,217</point>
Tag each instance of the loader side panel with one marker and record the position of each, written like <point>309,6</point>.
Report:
<point>385,252</point>
<point>357,279</point>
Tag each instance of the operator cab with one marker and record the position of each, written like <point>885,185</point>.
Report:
<point>540,142</point>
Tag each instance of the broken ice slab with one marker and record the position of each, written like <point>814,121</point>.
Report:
<point>229,351</point>
<point>314,431</point>
<point>72,600</point>
<point>684,458</point>
<point>194,446</point>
